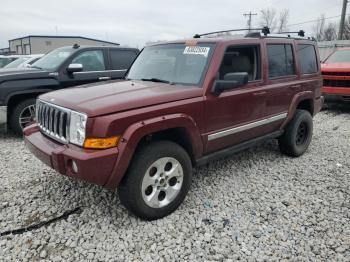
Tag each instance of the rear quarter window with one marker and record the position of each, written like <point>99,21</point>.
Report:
<point>307,59</point>
<point>122,59</point>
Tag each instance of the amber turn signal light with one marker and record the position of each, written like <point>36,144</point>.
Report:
<point>101,143</point>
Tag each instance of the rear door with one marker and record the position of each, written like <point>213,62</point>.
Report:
<point>94,68</point>
<point>282,78</point>
<point>120,61</point>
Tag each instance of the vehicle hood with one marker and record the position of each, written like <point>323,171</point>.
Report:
<point>117,96</point>
<point>21,73</point>
<point>336,67</point>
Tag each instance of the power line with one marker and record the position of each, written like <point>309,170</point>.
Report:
<point>316,20</point>
<point>250,14</point>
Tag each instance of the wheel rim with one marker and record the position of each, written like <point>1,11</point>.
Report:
<point>302,134</point>
<point>27,115</point>
<point>162,182</point>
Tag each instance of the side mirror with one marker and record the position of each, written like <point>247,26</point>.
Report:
<point>231,80</point>
<point>73,68</point>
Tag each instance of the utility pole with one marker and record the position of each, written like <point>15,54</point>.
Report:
<point>342,20</point>
<point>250,19</point>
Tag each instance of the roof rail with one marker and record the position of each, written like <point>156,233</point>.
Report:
<point>265,30</point>
<point>300,35</point>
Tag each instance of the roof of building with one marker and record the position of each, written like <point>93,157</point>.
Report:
<point>64,36</point>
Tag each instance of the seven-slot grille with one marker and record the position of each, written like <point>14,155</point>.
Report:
<point>53,120</point>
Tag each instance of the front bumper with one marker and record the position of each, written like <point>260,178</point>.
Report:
<point>94,166</point>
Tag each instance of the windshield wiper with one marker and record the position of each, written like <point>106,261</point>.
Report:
<point>157,80</point>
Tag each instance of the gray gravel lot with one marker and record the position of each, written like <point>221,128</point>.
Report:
<point>256,205</point>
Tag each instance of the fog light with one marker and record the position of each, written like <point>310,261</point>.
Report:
<point>74,167</point>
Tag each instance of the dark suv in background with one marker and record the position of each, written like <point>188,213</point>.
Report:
<point>61,68</point>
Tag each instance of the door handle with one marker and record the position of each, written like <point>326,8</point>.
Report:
<point>104,78</point>
<point>261,93</point>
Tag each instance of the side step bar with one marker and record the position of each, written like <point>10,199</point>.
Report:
<point>236,148</point>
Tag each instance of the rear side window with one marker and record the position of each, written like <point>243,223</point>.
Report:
<point>122,59</point>
<point>281,60</point>
<point>307,59</point>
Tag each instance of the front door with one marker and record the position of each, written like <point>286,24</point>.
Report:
<point>234,115</point>
<point>94,69</point>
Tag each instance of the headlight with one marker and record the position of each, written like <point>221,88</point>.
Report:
<point>77,128</point>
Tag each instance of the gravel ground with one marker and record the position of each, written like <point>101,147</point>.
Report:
<point>256,205</point>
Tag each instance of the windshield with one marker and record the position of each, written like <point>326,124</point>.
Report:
<point>6,60</point>
<point>172,63</point>
<point>54,59</point>
<point>17,62</point>
<point>340,56</point>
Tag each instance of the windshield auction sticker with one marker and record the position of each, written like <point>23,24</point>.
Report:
<point>197,50</point>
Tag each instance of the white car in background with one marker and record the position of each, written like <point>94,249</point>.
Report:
<point>23,61</point>
<point>6,59</point>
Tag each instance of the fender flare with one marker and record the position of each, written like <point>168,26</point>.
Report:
<point>306,95</point>
<point>33,91</point>
<point>134,133</point>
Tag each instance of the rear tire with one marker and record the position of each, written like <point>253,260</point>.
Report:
<point>158,180</point>
<point>297,135</point>
<point>22,114</point>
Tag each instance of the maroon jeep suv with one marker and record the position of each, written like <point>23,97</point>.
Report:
<point>182,104</point>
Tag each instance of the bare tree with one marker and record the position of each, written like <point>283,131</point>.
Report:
<point>268,18</point>
<point>319,28</point>
<point>330,32</point>
<point>346,33</point>
<point>283,21</point>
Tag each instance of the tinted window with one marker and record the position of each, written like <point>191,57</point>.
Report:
<point>241,59</point>
<point>122,59</point>
<point>91,60</point>
<point>307,59</point>
<point>281,60</point>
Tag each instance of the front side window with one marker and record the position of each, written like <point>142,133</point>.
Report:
<point>54,59</point>
<point>174,63</point>
<point>339,56</point>
<point>91,60</point>
<point>307,59</point>
<point>281,60</point>
<point>241,59</point>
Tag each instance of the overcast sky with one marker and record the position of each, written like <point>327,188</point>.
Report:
<point>134,22</point>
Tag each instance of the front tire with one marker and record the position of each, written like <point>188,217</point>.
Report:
<point>22,114</point>
<point>297,135</point>
<point>158,180</point>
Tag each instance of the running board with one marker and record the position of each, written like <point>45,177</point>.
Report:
<point>236,148</point>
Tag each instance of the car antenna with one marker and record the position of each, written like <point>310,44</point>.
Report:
<point>265,30</point>
<point>76,46</point>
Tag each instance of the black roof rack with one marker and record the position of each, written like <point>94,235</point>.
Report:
<point>300,33</point>
<point>265,30</point>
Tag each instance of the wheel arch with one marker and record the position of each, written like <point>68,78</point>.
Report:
<point>179,128</point>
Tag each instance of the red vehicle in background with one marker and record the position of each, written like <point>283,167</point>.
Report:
<point>336,76</point>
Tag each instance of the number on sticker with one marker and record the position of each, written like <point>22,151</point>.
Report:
<point>196,50</point>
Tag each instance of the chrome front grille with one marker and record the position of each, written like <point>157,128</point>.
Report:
<point>53,120</point>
